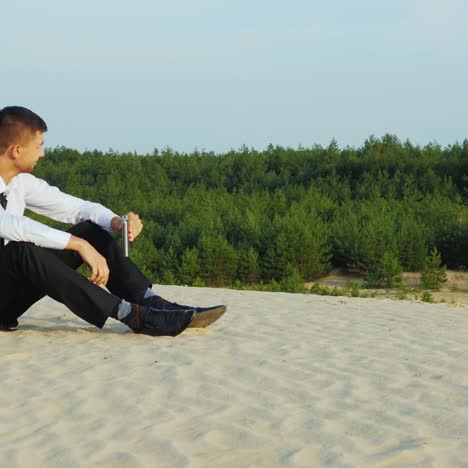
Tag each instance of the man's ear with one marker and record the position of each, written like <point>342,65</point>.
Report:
<point>14,151</point>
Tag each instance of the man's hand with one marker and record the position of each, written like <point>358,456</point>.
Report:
<point>135,226</point>
<point>96,262</point>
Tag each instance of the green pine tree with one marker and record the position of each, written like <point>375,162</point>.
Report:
<point>293,281</point>
<point>387,273</point>
<point>434,274</point>
<point>189,267</point>
<point>248,269</point>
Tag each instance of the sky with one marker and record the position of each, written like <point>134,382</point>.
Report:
<point>214,75</point>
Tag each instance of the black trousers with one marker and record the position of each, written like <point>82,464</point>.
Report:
<point>29,272</point>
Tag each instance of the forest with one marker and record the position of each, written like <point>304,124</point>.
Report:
<point>248,217</point>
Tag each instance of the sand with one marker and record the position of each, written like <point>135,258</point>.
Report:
<point>280,380</point>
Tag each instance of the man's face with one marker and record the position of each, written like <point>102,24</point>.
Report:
<point>30,152</point>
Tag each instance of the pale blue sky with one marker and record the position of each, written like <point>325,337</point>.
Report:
<point>214,75</point>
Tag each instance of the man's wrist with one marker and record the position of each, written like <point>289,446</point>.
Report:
<point>76,243</point>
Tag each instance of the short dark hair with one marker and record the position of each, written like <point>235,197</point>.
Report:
<point>17,125</point>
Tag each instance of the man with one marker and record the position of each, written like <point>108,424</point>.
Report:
<point>36,260</point>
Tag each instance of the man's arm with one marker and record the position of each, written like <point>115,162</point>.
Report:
<point>49,201</point>
<point>96,262</point>
<point>44,199</point>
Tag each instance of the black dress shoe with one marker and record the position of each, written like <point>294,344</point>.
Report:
<point>203,316</point>
<point>160,303</point>
<point>158,322</point>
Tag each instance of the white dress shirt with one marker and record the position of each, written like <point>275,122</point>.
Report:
<point>26,191</point>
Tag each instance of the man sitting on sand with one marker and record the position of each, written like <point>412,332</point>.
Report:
<point>36,260</point>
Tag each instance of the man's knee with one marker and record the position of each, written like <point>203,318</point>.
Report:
<point>91,232</point>
<point>85,227</point>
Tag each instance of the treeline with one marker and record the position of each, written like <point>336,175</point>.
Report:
<point>248,216</point>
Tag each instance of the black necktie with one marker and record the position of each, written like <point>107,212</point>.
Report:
<point>3,202</point>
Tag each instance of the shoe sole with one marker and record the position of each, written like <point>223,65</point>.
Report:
<point>207,316</point>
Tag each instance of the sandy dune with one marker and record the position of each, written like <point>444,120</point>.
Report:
<point>280,380</point>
